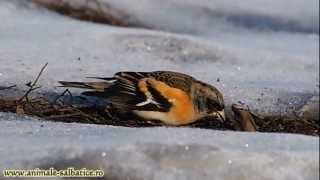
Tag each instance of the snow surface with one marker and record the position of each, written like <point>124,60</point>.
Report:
<point>270,80</point>
<point>266,55</point>
<point>284,27</point>
<point>156,153</point>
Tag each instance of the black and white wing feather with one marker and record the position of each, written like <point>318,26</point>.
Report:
<point>123,92</point>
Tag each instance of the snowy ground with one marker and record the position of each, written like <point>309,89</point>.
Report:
<point>157,153</point>
<point>266,54</point>
<point>273,71</point>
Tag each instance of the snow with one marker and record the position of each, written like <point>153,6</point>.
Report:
<point>248,71</point>
<point>156,153</point>
<point>271,25</point>
<point>265,53</point>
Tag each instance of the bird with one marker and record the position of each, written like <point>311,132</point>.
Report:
<point>172,98</point>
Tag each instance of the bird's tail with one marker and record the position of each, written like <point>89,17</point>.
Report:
<point>97,86</point>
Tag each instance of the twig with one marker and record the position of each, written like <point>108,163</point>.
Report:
<point>9,87</point>
<point>62,94</point>
<point>63,115</point>
<point>90,118</point>
<point>32,86</point>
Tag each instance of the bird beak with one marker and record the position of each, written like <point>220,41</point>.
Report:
<point>220,115</point>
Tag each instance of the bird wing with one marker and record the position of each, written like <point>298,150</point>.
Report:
<point>98,86</point>
<point>124,92</point>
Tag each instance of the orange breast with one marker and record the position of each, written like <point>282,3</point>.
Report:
<point>182,110</point>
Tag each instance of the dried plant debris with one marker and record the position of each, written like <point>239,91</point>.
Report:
<point>91,10</point>
<point>70,113</point>
<point>33,85</point>
<point>288,124</point>
<point>59,111</point>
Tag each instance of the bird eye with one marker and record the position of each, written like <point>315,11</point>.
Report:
<point>214,105</point>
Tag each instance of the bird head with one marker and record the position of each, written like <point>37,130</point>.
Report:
<point>209,100</point>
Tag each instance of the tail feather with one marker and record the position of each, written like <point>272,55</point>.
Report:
<point>94,93</point>
<point>97,86</point>
<point>108,79</point>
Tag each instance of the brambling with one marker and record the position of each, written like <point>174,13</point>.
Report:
<point>171,97</point>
